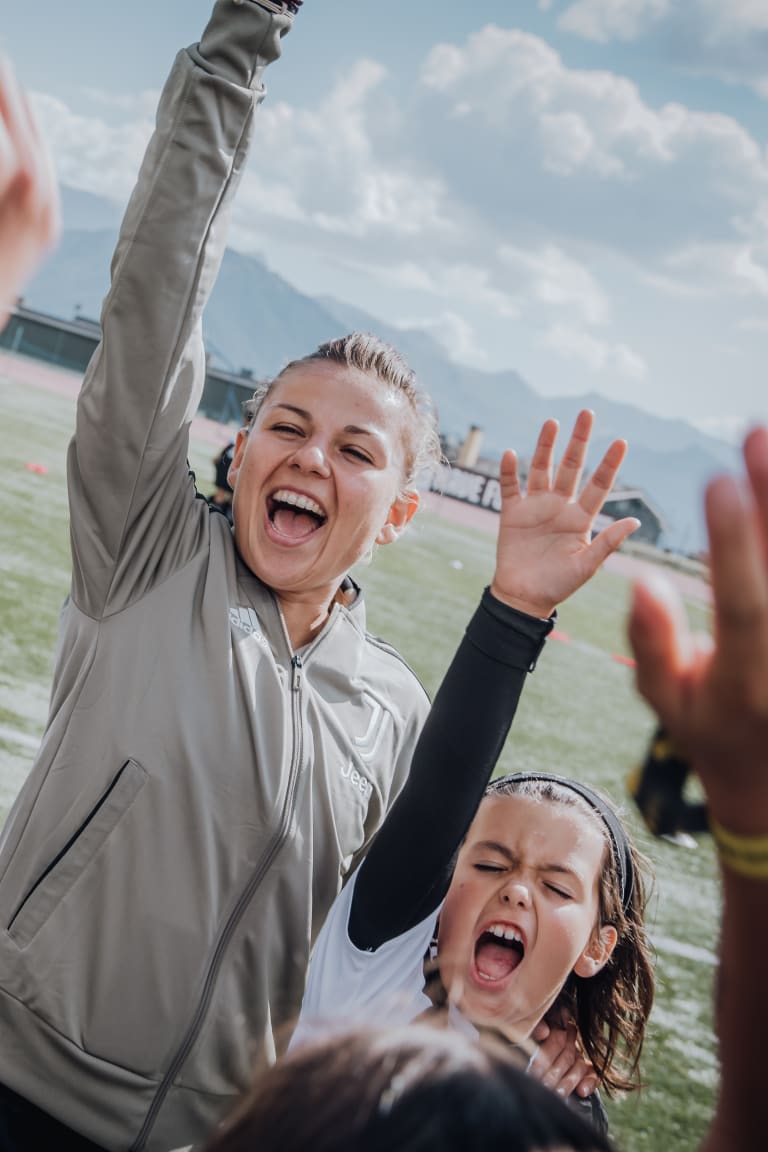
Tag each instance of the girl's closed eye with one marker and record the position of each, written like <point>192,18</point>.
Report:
<point>558,891</point>
<point>290,429</point>
<point>489,867</point>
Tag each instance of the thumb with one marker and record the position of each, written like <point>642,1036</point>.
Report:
<point>611,538</point>
<point>658,634</point>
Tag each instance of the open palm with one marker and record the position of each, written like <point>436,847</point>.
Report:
<point>545,549</point>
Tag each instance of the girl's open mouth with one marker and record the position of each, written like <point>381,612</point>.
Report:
<point>498,951</point>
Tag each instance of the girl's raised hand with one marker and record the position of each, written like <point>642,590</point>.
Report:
<point>545,549</point>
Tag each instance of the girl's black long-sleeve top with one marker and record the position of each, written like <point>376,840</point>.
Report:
<point>408,868</point>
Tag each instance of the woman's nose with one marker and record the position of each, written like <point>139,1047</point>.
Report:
<point>311,457</point>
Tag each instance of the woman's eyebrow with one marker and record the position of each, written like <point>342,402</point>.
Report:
<point>349,429</point>
<point>356,430</point>
<point>292,408</point>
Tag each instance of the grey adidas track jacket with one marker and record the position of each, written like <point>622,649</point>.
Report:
<point>200,791</point>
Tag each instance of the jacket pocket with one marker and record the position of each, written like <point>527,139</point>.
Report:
<point>78,852</point>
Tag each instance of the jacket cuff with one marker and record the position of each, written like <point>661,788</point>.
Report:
<point>241,38</point>
<point>506,635</point>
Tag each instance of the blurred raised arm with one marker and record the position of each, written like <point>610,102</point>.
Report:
<point>711,695</point>
<point>29,198</point>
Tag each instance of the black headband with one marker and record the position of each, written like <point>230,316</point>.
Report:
<point>622,852</point>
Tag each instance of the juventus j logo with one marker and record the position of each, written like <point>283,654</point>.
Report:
<point>368,743</point>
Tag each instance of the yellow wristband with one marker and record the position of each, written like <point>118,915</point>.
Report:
<point>746,855</point>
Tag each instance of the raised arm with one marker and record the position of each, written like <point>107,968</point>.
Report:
<point>712,698</point>
<point>130,492</point>
<point>29,198</point>
<point>544,554</point>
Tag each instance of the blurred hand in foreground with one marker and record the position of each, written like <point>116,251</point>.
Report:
<point>29,198</point>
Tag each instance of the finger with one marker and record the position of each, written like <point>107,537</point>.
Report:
<point>540,472</point>
<point>608,540</point>
<point>756,460</point>
<point>559,1047</point>
<point>573,1078</point>
<point>569,470</point>
<point>547,1052</point>
<point>738,576</point>
<point>8,156</point>
<point>657,633</point>
<point>13,113</point>
<point>560,1067</point>
<point>587,1086</point>
<point>603,478</point>
<point>540,1032</point>
<point>509,478</point>
<point>23,139</point>
<point>38,158</point>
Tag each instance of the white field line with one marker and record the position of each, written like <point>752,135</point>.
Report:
<point>684,951</point>
<point>14,736</point>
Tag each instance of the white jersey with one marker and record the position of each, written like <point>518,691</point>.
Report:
<point>348,986</point>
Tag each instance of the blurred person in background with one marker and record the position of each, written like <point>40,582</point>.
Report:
<point>221,497</point>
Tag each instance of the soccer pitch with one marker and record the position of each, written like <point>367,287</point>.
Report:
<point>579,715</point>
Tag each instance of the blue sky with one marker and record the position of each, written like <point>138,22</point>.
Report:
<point>577,189</point>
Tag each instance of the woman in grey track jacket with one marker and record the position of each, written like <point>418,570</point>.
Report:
<point>224,735</point>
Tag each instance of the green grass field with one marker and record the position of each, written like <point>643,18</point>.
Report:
<point>579,715</point>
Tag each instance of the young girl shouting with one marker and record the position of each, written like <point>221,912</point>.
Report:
<point>543,909</point>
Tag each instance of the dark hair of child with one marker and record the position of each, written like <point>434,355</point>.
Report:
<point>412,1089</point>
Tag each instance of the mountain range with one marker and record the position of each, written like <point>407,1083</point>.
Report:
<point>256,320</point>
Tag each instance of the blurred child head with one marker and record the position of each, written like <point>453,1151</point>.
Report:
<point>410,1089</point>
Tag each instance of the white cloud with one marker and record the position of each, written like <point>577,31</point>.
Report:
<point>556,279</point>
<point>605,20</point>
<point>325,170</point>
<point>570,144</point>
<point>734,18</point>
<point>542,156</point>
<point>600,356</point>
<point>515,93</point>
<point>712,37</point>
<point>729,428</point>
<point>137,104</point>
<point>502,195</point>
<point>91,154</point>
<point>736,269</point>
<point>464,284</point>
<point>455,333</point>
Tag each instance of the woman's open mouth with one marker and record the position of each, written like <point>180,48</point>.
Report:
<point>294,515</point>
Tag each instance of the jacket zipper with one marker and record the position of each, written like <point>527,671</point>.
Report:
<point>235,916</point>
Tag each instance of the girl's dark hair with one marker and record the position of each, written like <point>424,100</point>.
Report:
<point>411,1089</point>
<point>376,358</point>
<point>610,1009</point>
